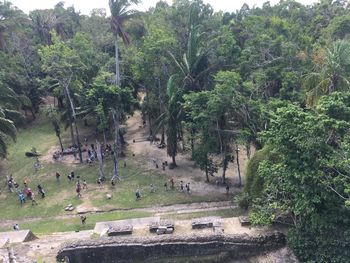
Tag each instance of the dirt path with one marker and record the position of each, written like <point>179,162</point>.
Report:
<point>147,152</point>
<point>157,211</point>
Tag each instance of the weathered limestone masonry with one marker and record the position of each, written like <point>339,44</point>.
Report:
<point>132,249</point>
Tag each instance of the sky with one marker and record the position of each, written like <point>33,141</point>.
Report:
<point>85,6</point>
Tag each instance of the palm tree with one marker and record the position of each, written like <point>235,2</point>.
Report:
<point>9,115</point>
<point>11,20</point>
<point>120,12</point>
<point>53,116</point>
<point>194,64</point>
<point>7,128</point>
<point>171,118</point>
<point>332,73</point>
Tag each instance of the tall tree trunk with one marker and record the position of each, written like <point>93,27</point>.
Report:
<point>74,117</point>
<point>117,69</point>
<point>100,160</point>
<point>71,130</point>
<point>121,139</point>
<point>238,167</point>
<point>60,140</point>
<point>162,140</point>
<point>116,151</point>
<point>173,158</point>
<point>161,110</point>
<point>60,103</point>
<point>192,141</point>
<point>224,168</point>
<point>32,112</point>
<point>248,150</point>
<point>183,140</point>
<point>104,137</point>
<point>207,174</point>
<point>78,141</point>
<point>150,126</point>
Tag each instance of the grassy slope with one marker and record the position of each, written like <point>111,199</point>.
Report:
<point>41,136</point>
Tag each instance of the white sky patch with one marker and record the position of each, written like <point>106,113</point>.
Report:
<point>85,6</point>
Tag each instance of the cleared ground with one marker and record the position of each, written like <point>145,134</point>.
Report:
<point>49,215</point>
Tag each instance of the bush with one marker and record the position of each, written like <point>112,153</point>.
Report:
<point>254,183</point>
<point>322,238</point>
<point>243,200</point>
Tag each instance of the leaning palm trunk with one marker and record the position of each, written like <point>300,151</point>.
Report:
<point>78,141</point>
<point>238,167</point>
<point>100,160</point>
<point>117,69</point>
<point>224,168</point>
<point>60,140</point>
<point>116,150</point>
<point>74,117</point>
<point>71,127</point>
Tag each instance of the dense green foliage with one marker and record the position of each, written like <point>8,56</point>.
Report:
<point>275,78</point>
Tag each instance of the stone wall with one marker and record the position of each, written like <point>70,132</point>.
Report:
<point>132,249</point>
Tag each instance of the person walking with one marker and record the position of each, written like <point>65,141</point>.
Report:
<point>22,198</point>
<point>41,191</point>
<point>72,175</point>
<point>57,176</point>
<point>78,190</point>
<point>32,197</point>
<point>188,188</point>
<point>83,219</point>
<point>172,184</point>
<point>85,185</point>
<point>99,182</point>
<point>138,194</point>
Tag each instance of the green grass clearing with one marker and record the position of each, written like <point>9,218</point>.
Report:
<point>52,225</point>
<point>40,135</point>
<point>224,213</point>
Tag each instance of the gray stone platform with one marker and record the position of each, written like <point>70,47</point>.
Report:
<point>102,227</point>
<point>16,236</point>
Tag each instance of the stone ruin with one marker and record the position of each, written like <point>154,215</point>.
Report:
<point>146,249</point>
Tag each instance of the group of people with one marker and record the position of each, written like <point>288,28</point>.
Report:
<point>92,151</point>
<point>152,188</point>
<point>27,193</point>
<point>78,186</point>
<point>155,163</point>
<point>187,186</point>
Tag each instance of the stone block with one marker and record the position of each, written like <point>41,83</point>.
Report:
<point>244,220</point>
<point>120,230</point>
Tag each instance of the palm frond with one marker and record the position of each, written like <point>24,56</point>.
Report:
<point>8,128</point>
<point>160,122</point>
<point>25,101</point>
<point>14,116</point>
<point>3,146</point>
<point>178,64</point>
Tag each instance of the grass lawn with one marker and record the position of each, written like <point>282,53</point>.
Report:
<point>52,225</point>
<point>224,213</point>
<point>40,134</point>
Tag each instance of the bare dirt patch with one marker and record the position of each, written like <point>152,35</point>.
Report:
<point>146,153</point>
